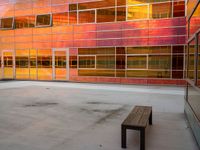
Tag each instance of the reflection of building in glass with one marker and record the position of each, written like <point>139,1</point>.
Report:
<point>192,107</point>
<point>119,41</point>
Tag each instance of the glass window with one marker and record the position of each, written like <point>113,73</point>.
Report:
<point>96,4</point>
<point>86,61</point>
<point>6,23</point>
<point>44,59</point>
<point>138,12</point>
<point>72,7</point>
<point>137,50</point>
<point>120,50</point>
<point>107,62</point>
<point>158,74</point>
<point>121,2</point>
<point>177,62</point>
<point>93,51</point>
<point>136,62</point>
<point>160,62</point>
<point>73,61</point>
<point>136,73</point>
<point>194,22</point>
<point>73,17</point>
<point>24,22</point>
<point>106,15</point>
<point>191,55</point>
<point>160,49</point>
<point>161,10</point>
<point>120,61</point>
<point>60,19</point>
<point>87,16</point>
<point>178,49</point>
<point>43,20</point>
<point>132,2</point>
<point>21,59</point>
<point>121,13</point>
<point>179,9</point>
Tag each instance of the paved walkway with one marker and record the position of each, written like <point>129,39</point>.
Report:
<point>81,116</point>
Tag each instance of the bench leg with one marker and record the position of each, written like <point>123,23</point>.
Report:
<point>123,136</point>
<point>150,119</point>
<point>142,139</point>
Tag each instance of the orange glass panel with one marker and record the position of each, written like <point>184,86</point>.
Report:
<point>73,17</point>
<point>121,13</point>
<point>7,65</point>
<point>44,63</point>
<point>60,19</point>
<point>96,4</point>
<point>22,64</point>
<point>106,15</point>
<point>33,64</point>
<point>60,65</point>
<point>87,16</point>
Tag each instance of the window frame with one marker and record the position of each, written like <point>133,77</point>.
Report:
<point>39,26</point>
<point>7,28</point>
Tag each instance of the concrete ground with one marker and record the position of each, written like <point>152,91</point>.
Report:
<point>81,116</point>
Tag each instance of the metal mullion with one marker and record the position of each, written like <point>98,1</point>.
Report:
<point>196,60</point>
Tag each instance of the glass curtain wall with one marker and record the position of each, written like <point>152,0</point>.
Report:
<point>137,62</point>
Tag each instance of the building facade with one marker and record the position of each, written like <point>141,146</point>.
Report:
<point>192,105</point>
<point>117,41</point>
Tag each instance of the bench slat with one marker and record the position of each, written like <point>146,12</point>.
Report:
<point>138,117</point>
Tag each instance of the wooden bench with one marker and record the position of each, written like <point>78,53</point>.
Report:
<point>138,119</point>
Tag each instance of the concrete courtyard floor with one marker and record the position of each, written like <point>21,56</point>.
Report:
<point>81,116</point>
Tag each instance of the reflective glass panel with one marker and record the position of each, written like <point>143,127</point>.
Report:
<point>132,2</point>
<point>105,62</point>
<point>96,4</point>
<point>179,9</point>
<point>121,13</point>
<point>161,10</point>
<point>139,62</point>
<point>73,17</point>
<point>6,23</point>
<point>160,62</point>
<point>106,15</point>
<point>194,22</point>
<point>120,61</point>
<point>190,65</point>
<point>22,64</point>
<point>86,61</point>
<point>60,19</point>
<point>43,20</point>
<point>137,12</point>
<point>87,16</point>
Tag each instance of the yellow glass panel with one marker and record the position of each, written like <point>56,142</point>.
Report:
<point>160,62</point>
<point>44,73</point>
<point>136,73</point>
<point>8,65</point>
<point>137,12</point>
<point>106,73</point>
<point>132,2</point>
<point>137,50</point>
<point>159,74</point>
